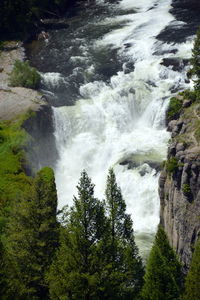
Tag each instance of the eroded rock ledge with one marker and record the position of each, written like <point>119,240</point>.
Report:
<point>16,101</point>
<point>179,187</point>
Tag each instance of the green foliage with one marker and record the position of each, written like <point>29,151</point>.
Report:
<point>163,164</point>
<point>13,182</point>
<point>163,277</point>
<point>192,282</point>
<point>97,258</point>
<point>171,165</point>
<point>195,61</point>
<point>186,189</point>
<point>32,237</point>
<point>188,94</point>
<point>24,75</point>
<point>174,108</point>
<point>24,236</point>
<point>74,272</point>
<point>125,275</point>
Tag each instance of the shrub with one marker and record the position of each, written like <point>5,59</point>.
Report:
<point>171,165</point>
<point>174,108</point>
<point>189,94</point>
<point>24,75</point>
<point>186,189</point>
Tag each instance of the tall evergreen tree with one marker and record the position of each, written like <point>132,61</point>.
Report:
<point>32,239</point>
<point>195,61</point>
<point>75,271</point>
<point>163,275</point>
<point>192,282</point>
<point>124,266</point>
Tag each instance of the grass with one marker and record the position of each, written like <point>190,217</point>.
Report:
<point>174,108</point>
<point>13,180</point>
<point>24,75</point>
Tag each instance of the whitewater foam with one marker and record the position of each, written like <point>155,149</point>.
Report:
<point>121,123</point>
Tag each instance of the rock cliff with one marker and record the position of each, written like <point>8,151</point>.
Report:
<point>179,184</point>
<point>41,148</point>
<point>16,101</point>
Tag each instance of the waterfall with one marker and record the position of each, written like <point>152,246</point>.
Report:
<point>119,121</point>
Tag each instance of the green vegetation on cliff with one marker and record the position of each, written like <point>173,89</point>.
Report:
<point>28,223</point>
<point>14,184</point>
<point>174,108</point>
<point>13,181</point>
<point>171,165</point>
<point>24,75</point>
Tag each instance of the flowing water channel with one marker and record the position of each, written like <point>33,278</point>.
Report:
<point>109,77</point>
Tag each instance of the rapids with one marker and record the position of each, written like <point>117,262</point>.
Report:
<point>108,84</point>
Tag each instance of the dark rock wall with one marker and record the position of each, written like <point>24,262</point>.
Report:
<point>180,190</point>
<point>41,147</point>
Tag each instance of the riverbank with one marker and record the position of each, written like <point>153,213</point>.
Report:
<point>15,100</point>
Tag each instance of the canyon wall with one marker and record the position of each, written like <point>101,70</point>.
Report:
<point>179,184</point>
<point>41,148</point>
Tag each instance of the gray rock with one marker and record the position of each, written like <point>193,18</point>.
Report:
<point>179,154</point>
<point>180,147</point>
<point>162,179</point>
<point>187,103</point>
<point>171,125</point>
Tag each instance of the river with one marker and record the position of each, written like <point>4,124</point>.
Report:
<point>109,77</point>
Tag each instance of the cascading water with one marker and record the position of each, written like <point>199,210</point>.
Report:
<point>118,117</point>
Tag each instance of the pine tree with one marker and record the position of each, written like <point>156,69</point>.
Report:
<point>32,236</point>
<point>195,61</point>
<point>163,275</point>
<point>192,282</point>
<point>75,272</point>
<point>124,268</point>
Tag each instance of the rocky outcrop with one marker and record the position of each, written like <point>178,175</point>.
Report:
<point>15,101</point>
<point>179,185</point>
<point>41,147</point>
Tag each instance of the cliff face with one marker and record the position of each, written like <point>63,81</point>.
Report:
<point>41,148</point>
<point>179,186</point>
<point>17,101</point>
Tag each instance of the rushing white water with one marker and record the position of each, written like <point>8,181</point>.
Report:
<point>120,123</point>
